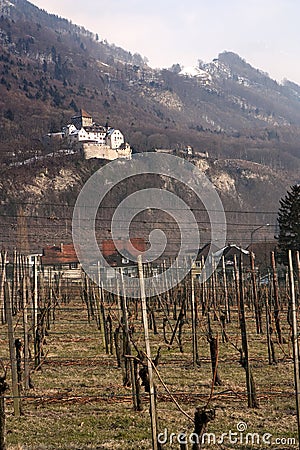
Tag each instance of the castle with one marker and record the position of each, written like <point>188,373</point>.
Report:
<point>96,141</point>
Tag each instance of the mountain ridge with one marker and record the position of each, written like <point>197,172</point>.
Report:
<point>49,69</point>
<point>65,53</point>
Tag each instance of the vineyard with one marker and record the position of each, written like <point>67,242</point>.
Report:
<point>201,366</point>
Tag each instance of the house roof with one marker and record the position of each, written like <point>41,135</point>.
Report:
<point>203,252</point>
<point>134,246</point>
<point>83,113</point>
<point>110,131</point>
<point>230,250</point>
<point>124,260</point>
<point>95,128</point>
<point>63,254</point>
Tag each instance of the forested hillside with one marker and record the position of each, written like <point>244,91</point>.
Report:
<point>50,68</point>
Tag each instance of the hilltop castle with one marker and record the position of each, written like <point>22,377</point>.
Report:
<point>96,141</point>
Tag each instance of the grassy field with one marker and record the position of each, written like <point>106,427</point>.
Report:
<point>79,402</point>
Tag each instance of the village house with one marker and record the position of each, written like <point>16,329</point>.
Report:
<point>134,246</point>
<point>127,260</point>
<point>94,140</point>
<point>60,262</point>
<point>213,256</point>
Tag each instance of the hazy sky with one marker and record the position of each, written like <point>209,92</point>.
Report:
<point>264,32</point>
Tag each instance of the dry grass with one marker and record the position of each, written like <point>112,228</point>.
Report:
<point>79,402</point>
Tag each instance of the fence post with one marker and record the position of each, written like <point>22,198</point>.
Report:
<point>3,388</point>
<point>276,298</point>
<point>35,308</point>
<point>148,353</point>
<point>3,256</point>
<point>226,299</point>
<point>25,328</point>
<point>255,296</point>
<point>14,375</point>
<point>245,361</point>
<point>194,324</point>
<point>295,339</point>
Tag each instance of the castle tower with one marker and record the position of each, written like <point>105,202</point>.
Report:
<point>83,120</point>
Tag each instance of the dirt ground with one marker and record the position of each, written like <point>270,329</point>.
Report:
<point>79,402</point>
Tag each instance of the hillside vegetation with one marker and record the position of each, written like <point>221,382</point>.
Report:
<point>50,68</point>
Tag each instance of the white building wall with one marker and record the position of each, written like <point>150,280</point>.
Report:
<point>115,139</point>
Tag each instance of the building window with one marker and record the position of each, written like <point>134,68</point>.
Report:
<point>73,265</point>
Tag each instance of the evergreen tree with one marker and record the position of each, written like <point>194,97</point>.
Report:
<point>289,223</point>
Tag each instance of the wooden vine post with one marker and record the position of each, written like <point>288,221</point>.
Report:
<point>214,350</point>
<point>3,256</point>
<point>276,298</point>
<point>269,330</point>
<point>258,318</point>
<point>35,309</point>
<point>293,308</point>
<point>148,353</point>
<point>194,324</point>
<point>298,269</point>
<point>13,362</point>
<point>99,299</point>
<point>3,388</point>
<point>226,299</point>
<point>25,327</point>
<point>245,361</point>
<point>129,373</point>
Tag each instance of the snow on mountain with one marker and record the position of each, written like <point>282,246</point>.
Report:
<point>4,4</point>
<point>193,71</point>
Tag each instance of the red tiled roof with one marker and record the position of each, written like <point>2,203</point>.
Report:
<point>83,113</point>
<point>109,247</point>
<point>63,254</point>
